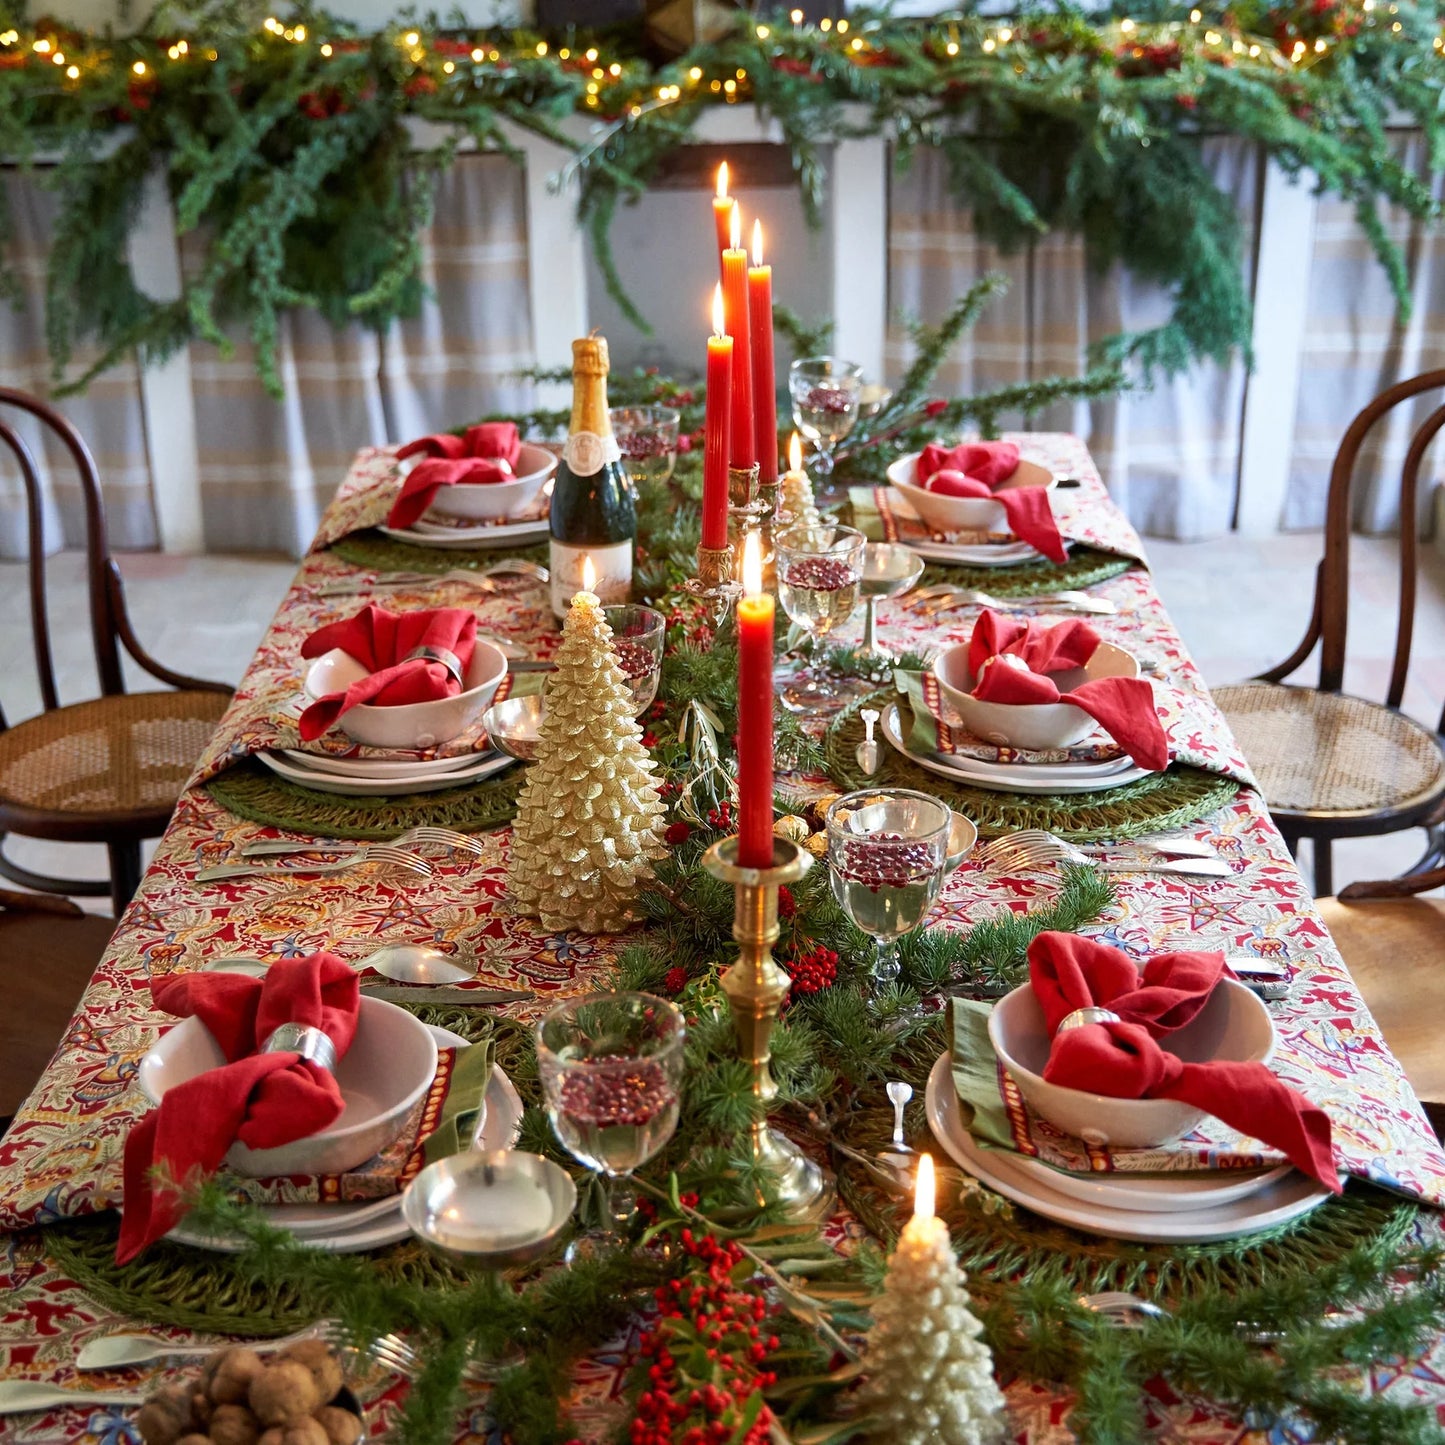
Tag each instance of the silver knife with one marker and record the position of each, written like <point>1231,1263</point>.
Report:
<point>1191,867</point>
<point>454,997</point>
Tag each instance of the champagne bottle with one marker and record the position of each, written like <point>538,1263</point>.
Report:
<point>593,511</point>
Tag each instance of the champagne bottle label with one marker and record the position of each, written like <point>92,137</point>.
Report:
<point>586,453</point>
<point>614,573</point>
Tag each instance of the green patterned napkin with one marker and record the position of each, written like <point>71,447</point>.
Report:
<point>464,1100</point>
<point>975,1072</point>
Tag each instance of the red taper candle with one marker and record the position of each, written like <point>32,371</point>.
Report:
<point>715,431</point>
<point>755,714</point>
<point>742,445</point>
<point>722,213</point>
<point>765,381</point>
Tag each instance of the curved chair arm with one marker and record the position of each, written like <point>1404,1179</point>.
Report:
<point>1406,887</point>
<point>116,589</point>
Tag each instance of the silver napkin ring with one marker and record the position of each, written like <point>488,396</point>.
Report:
<point>448,660</point>
<point>312,1044</point>
<point>1082,1017</point>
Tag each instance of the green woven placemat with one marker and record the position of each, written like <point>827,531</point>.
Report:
<point>251,790</point>
<point>370,548</point>
<point>1085,566</point>
<point>1171,799</point>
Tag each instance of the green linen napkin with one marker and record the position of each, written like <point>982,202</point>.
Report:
<point>975,1072</point>
<point>470,1077</point>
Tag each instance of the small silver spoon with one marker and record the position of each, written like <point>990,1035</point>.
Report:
<point>899,1094</point>
<point>868,748</point>
<point>415,963</point>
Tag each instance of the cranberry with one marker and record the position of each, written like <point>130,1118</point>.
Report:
<point>820,574</point>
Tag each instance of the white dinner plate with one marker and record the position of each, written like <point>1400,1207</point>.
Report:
<point>986,775</point>
<point>1276,1202</point>
<point>376,767</point>
<point>975,554</point>
<point>484,767</point>
<point>352,1228</point>
<point>473,539</point>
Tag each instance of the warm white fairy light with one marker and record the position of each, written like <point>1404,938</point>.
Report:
<point>411,37</point>
<point>478,56</point>
<point>139,68</point>
<point>1127,26</point>
<point>695,74</point>
<point>592,55</point>
<point>541,47</point>
<point>825,25</point>
<point>41,47</point>
<point>763,32</point>
<point>447,67</point>
<point>1005,35</point>
<point>614,69</point>
<point>796,16</point>
<point>1195,16</point>
<point>326,51</point>
<point>842,27</point>
<point>1253,51</point>
<point>57,58</point>
<point>989,45</point>
<point>952,47</point>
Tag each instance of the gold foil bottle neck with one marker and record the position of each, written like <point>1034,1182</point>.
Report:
<point>589,356</point>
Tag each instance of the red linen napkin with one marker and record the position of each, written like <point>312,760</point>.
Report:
<point>264,1100</point>
<point>978,469</point>
<point>487,453</point>
<point>381,641</point>
<point>1011,662</point>
<point>1125,1060</point>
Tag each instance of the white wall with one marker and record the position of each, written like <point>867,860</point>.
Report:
<point>372,14</point>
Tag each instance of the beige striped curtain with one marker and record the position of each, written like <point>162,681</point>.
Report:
<point>108,414</point>
<point>1171,456</point>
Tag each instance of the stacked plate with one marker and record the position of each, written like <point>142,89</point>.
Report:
<point>354,1228</point>
<point>1160,1208</point>
<point>1066,777</point>
<point>425,532</point>
<point>367,777</point>
<point>975,554</point>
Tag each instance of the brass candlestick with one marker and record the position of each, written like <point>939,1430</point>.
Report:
<point>756,988</point>
<point>746,509</point>
<point>715,583</point>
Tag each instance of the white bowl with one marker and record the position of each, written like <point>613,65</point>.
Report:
<point>962,514</point>
<point>412,724</point>
<point>1036,725</point>
<point>491,501</point>
<point>1233,1026</point>
<point>389,1066</point>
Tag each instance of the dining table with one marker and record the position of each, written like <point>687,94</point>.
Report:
<point>60,1160</point>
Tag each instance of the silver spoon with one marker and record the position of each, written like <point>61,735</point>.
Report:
<point>415,963</point>
<point>899,1094</point>
<point>868,748</point>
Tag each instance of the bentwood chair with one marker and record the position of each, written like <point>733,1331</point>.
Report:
<point>109,770</point>
<point>1332,765</point>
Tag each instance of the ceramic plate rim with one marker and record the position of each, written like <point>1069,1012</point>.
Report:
<point>365,768</point>
<point>495,538</point>
<point>385,787</point>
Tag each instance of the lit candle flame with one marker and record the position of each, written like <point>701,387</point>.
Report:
<point>757,243</point>
<point>719,316</point>
<point>735,227</point>
<point>923,1189</point>
<point>722,181</point>
<point>752,566</point>
<point>795,453</point>
<point>589,575</point>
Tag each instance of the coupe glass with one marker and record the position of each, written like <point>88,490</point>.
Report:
<point>611,1067</point>
<point>637,636</point>
<point>820,573</point>
<point>889,570</point>
<point>825,393</point>
<point>886,854</point>
<point>647,437</point>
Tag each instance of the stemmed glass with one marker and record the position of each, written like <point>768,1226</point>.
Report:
<point>820,572</point>
<point>637,638</point>
<point>825,392</point>
<point>889,570</point>
<point>611,1066</point>
<point>887,851</point>
<point>647,438</point>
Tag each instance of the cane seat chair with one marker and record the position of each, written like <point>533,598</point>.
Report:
<point>1332,765</point>
<point>108,770</point>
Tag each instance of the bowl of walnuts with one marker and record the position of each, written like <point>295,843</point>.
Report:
<point>296,1397</point>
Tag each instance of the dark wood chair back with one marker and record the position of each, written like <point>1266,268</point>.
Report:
<point>110,626</point>
<point>1329,624</point>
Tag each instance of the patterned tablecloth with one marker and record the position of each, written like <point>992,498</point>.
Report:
<point>61,1157</point>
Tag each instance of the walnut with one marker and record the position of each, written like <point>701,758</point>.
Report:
<point>341,1426</point>
<point>228,1374</point>
<point>284,1392</point>
<point>166,1416</point>
<point>234,1425</point>
<point>321,1360</point>
<point>305,1431</point>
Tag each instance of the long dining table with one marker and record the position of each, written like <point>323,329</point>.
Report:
<point>60,1160</point>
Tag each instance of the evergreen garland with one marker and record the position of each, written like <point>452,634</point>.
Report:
<point>300,179</point>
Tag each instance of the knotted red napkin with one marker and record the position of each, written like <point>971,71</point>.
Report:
<point>1125,1061</point>
<point>264,1100</point>
<point>979,469</point>
<point>486,453</point>
<point>1122,706</point>
<point>382,642</point>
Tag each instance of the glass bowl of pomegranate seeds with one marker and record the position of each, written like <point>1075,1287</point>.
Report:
<point>637,636</point>
<point>820,579</point>
<point>887,856</point>
<point>611,1067</point>
<point>647,437</point>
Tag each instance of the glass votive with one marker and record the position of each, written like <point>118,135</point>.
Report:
<point>647,437</point>
<point>637,637</point>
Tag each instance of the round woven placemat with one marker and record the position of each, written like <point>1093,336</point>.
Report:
<point>370,548</point>
<point>1171,799</point>
<point>1086,565</point>
<point>251,790</point>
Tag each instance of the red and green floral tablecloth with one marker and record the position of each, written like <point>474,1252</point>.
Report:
<point>61,1157</point>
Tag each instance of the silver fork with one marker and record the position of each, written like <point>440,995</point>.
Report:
<point>946,599</point>
<point>371,853</point>
<point>1016,853</point>
<point>1129,1311</point>
<point>419,836</point>
<point>485,579</point>
<point>1165,847</point>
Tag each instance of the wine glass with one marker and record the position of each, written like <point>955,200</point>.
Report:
<point>889,570</point>
<point>647,438</point>
<point>637,636</point>
<point>825,392</point>
<point>887,849</point>
<point>611,1066</point>
<point>820,571</point>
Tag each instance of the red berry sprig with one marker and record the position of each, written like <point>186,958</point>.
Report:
<point>815,970</point>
